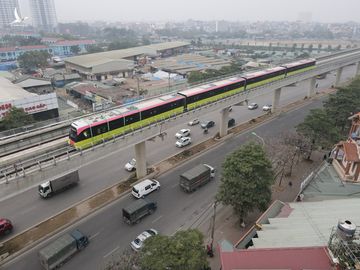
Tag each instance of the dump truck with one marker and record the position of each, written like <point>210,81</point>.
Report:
<point>196,177</point>
<point>137,210</point>
<point>62,249</point>
<point>58,184</point>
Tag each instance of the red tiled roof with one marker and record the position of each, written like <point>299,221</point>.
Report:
<point>277,258</point>
<point>74,42</point>
<point>351,153</point>
<point>23,48</point>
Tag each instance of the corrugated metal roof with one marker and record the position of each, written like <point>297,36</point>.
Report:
<point>328,185</point>
<point>90,60</point>
<point>10,91</point>
<point>33,82</point>
<point>309,224</point>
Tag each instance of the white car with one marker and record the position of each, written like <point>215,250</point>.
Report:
<point>267,107</point>
<point>184,141</point>
<point>253,106</point>
<point>145,187</point>
<point>131,165</point>
<point>185,132</point>
<point>139,241</point>
<point>194,122</point>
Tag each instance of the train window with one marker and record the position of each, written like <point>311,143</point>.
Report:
<point>117,123</point>
<point>132,118</point>
<point>99,129</point>
<point>85,134</point>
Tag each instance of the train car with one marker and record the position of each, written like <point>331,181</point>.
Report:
<point>258,78</point>
<point>94,129</point>
<point>204,94</point>
<point>299,66</point>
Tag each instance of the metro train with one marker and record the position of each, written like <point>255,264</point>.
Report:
<point>97,128</point>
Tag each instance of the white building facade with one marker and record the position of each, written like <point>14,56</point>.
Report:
<point>43,14</point>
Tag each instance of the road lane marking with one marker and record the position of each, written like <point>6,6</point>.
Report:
<point>111,252</point>
<point>94,235</point>
<point>156,219</point>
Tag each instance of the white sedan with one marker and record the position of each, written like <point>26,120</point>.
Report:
<point>185,132</point>
<point>194,122</point>
<point>139,241</point>
<point>184,141</point>
<point>267,107</point>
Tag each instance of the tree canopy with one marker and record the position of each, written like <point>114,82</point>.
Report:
<point>183,251</point>
<point>33,60</point>
<point>14,118</point>
<point>326,126</point>
<point>246,180</point>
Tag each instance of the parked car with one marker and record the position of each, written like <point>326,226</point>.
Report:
<point>185,132</point>
<point>5,226</point>
<point>131,165</point>
<point>145,187</point>
<point>207,124</point>
<point>184,141</point>
<point>252,106</point>
<point>194,122</point>
<point>137,244</point>
<point>231,122</point>
<point>267,107</point>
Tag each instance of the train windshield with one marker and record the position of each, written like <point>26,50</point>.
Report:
<point>73,134</point>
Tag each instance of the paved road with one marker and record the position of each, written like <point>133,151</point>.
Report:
<point>176,209</point>
<point>27,208</point>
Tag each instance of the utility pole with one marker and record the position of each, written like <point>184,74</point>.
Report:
<point>213,225</point>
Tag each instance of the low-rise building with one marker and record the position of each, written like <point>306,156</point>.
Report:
<point>35,85</point>
<point>40,106</point>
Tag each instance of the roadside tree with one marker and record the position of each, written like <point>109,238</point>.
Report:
<point>319,128</point>
<point>33,60</point>
<point>75,49</point>
<point>128,260</point>
<point>246,180</point>
<point>183,251</point>
<point>15,118</point>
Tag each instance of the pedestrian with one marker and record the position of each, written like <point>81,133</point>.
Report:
<point>290,184</point>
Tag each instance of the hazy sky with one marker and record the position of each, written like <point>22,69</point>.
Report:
<point>235,10</point>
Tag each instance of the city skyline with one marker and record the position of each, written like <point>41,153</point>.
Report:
<point>232,10</point>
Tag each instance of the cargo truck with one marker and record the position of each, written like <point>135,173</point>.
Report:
<point>196,177</point>
<point>62,249</point>
<point>59,184</point>
<point>137,210</point>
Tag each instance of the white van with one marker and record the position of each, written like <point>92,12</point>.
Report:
<point>145,187</point>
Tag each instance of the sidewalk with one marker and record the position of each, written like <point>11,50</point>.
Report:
<point>227,224</point>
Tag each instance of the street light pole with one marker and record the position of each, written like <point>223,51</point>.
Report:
<point>262,140</point>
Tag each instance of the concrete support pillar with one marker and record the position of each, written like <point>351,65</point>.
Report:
<point>311,91</point>
<point>276,100</point>
<point>224,118</point>
<point>140,156</point>
<point>338,76</point>
<point>357,69</point>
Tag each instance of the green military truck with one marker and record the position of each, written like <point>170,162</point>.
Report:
<point>62,249</point>
<point>137,210</point>
<point>196,177</point>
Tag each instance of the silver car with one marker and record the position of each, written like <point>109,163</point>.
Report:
<point>139,241</point>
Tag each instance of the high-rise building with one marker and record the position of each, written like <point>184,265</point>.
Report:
<point>43,15</point>
<point>7,8</point>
